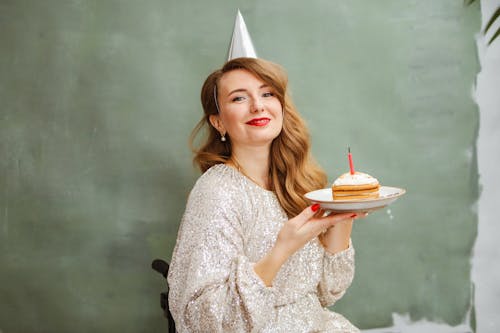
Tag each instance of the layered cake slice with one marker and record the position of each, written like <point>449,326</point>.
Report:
<point>355,186</point>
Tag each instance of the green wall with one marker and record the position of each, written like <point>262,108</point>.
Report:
<point>98,99</point>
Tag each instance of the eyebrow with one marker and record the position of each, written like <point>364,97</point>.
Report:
<point>241,89</point>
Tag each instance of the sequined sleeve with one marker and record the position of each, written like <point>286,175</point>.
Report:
<point>338,273</point>
<point>213,287</point>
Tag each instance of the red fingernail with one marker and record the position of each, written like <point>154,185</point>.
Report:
<point>315,207</point>
<point>354,215</point>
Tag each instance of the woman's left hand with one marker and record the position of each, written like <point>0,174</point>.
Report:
<point>336,238</point>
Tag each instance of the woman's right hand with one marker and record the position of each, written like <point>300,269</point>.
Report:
<point>296,232</point>
<point>299,230</point>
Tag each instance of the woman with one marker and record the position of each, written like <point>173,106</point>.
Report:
<point>251,255</point>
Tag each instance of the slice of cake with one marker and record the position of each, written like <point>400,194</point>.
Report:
<point>355,186</point>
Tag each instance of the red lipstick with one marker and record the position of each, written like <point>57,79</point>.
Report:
<point>258,122</point>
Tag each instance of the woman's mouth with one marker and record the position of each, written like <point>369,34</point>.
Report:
<point>258,122</point>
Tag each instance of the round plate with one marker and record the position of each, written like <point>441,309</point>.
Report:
<point>387,195</point>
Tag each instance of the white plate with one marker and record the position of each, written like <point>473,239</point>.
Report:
<point>387,195</point>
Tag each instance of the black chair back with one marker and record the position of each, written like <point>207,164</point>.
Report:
<point>161,266</point>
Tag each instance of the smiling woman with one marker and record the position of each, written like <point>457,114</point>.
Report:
<point>249,112</point>
<point>251,256</point>
<point>242,85</point>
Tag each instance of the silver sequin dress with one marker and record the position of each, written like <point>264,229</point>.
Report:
<point>229,224</point>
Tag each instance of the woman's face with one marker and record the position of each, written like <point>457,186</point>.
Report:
<point>250,112</point>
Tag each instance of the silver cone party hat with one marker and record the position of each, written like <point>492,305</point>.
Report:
<point>241,43</point>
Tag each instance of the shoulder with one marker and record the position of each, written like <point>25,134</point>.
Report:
<point>217,180</point>
<point>219,186</point>
<point>215,203</point>
<point>217,173</point>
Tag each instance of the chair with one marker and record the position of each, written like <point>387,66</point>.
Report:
<point>161,267</point>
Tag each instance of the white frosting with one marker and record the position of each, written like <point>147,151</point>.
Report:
<point>359,178</point>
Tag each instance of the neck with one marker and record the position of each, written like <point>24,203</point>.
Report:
<point>253,163</point>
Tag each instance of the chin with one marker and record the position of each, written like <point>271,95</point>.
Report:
<point>265,139</point>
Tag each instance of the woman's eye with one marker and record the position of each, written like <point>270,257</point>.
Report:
<point>238,99</point>
<point>268,94</point>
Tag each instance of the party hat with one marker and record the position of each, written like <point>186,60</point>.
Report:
<point>241,43</point>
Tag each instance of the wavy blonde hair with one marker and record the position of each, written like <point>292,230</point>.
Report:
<point>292,170</point>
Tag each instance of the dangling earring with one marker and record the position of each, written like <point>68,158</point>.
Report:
<point>223,137</point>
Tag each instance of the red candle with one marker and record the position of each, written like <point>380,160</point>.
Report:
<point>351,164</point>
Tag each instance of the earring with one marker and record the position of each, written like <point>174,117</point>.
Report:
<point>223,137</point>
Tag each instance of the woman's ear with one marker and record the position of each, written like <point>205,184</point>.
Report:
<point>217,123</point>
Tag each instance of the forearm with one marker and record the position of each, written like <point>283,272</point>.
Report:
<point>297,232</point>
<point>204,303</point>
<point>268,267</point>
<point>337,276</point>
<point>336,239</point>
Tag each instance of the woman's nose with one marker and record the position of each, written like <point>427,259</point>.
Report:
<point>258,105</point>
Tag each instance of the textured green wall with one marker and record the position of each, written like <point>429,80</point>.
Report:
<point>98,99</point>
